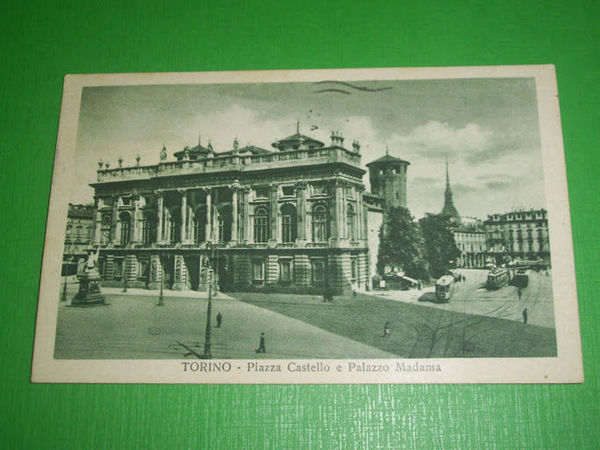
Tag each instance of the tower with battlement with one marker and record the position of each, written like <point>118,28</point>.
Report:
<point>388,179</point>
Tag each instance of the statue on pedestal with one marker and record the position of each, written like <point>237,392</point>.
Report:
<point>89,283</point>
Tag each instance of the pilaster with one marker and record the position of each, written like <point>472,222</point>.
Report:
<point>208,231</point>
<point>301,214</point>
<point>246,215</point>
<point>274,216</point>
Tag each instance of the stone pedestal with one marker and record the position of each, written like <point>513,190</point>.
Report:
<point>89,290</point>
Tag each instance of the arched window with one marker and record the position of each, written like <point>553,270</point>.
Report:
<point>78,233</point>
<point>175,225</point>
<point>149,228</point>
<point>350,220</point>
<point>200,225</point>
<point>125,220</point>
<point>90,233</point>
<point>261,225</point>
<point>288,223</point>
<point>224,224</point>
<point>320,225</point>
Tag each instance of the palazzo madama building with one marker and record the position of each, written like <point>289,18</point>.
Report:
<point>293,219</point>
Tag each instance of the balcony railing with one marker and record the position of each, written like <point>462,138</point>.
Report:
<point>232,162</point>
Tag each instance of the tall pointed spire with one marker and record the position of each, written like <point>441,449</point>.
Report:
<point>449,209</point>
<point>297,127</point>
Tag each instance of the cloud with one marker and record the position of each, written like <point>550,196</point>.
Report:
<point>498,185</point>
<point>426,180</point>
<point>435,139</point>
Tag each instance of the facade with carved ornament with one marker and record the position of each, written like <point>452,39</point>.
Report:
<point>293,219</point>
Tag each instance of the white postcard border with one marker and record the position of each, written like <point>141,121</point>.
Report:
<point>567,367</point>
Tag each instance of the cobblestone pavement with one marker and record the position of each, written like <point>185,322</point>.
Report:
<point>132,326</point>
<point>471,297</point>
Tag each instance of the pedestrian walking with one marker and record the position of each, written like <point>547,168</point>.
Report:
<point>520,292</point>
<point>386,330</point>
<point>219,319</point>
<point>261,344</point>
<point>525,315</point>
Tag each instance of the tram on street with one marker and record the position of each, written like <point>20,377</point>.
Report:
<point>521,278</point>
<point>444,287</point>
<point>496,278</point>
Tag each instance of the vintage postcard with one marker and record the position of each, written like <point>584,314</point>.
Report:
<point>310,226</point>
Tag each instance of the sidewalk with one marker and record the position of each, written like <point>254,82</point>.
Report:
<point>156,292</point>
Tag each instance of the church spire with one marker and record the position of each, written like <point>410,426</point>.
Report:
<point>449,209</point>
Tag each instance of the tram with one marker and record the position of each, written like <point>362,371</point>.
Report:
<point>497,278</point>
<point>521,278</point>
<point>530,264</point>
<point>444,287</point>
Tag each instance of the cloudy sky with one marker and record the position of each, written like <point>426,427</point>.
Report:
<point>487,128</point>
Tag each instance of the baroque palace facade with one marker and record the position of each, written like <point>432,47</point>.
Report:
<point>519,234</point>
<point>292,219</point>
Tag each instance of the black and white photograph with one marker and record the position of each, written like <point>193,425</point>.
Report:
<point>318,226</point>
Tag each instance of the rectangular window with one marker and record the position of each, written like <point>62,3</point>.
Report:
<point>318,271</point>
<point>287,191</point>
<point>258,271</point>
<point>285,270</point>
<point>286,228</point>
<point>144,269</point>
<point>118,274</point>
<point>261,229</point>
<point>261,192</point>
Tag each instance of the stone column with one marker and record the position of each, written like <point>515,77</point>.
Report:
<point>336,210</point>
<point>190,222</point>
<point>301,216</point>
<point>234,214</point>
<point>214,217</point>
<point>183,233</point>
<point>159,215</point>
<point>343,226</point>
<point>208,232</point>
<point>116,226</point>
<point>360,232</point>
<point>246,215</point>
<point>273,213</point>
<point>134,221</point>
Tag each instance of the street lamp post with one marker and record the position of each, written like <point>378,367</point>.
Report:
<point>161,301</point>
<point>207,352</point>
<point>63,297</point>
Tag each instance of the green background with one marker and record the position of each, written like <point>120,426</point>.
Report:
<point>40,42</point>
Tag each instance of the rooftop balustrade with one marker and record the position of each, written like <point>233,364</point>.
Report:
<point>292,158</point>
